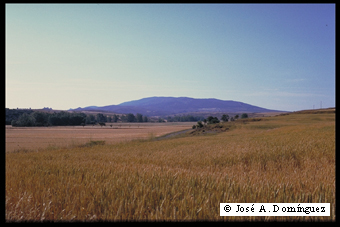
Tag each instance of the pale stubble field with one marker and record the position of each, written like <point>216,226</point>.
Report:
<point>33,138</point>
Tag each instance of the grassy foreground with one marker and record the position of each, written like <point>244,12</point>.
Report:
<point>280,159</point>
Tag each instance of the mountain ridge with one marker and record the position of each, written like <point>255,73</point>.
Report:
<point>162,106</point>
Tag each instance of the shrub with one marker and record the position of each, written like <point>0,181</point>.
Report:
<point>244,115</point>
<point>212,120</point>
<point>225,117</point>
<point>94,143</point>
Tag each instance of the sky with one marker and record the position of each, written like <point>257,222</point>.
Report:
<point>276,56</point>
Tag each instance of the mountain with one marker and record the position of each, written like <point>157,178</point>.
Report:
<point>162,106</point>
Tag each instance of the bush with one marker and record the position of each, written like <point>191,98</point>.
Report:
<point>225,117</point>
<point>14,123</point>
<point>244,115</point>
<point>94,143</point>
<point>212,120</point>
<point>199,124</point>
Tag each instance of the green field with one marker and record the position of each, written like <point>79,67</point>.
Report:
<point>280,159</point>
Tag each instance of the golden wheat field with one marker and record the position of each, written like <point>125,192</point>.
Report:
<point>283,159</point>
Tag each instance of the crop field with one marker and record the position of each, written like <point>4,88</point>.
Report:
<point>282,159</point>
<point>28,138</point>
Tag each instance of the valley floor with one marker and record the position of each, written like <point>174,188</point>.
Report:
<point>282,159</point>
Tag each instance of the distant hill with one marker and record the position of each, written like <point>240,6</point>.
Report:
<point>162,106</point>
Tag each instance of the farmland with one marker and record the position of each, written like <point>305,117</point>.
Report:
<point>33,138</point>
<point>280,159</point>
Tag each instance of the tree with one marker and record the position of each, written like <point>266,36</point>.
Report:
<point>209,119</point>
<point>77,118</point>
<point>123,118</point>
<point>145,119</point>
<point>101,117</point>
<point>215,120</point>
<point>139,117</point>
<point>53,119</point>
<point>41,119</point>
<point>115,118</point>
<point>90,118</point>
<point>25,120</point>
<point>14,114</point>
<point>64,118</point>
<point>244,115</point>
<point>212,120</point>
<point>225,117</point>
<point>130,117</point>
<point>236,117</point>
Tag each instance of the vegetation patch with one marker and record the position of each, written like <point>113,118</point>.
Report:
<point>210,129</point>
<point>93,143</point>
<point>213,126</point>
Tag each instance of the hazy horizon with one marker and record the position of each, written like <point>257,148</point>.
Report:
<point>275,56</point>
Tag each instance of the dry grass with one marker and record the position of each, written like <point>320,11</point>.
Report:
<point>280,159</point>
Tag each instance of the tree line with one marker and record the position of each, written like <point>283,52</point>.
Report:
<point>27,118</point>
<point>93,119</point>
<point>138,118</point>
<point>184,118</point>
<point>14,114</point>
<point>37,118</point>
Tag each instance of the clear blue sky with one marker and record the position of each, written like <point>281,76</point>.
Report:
<point>76,55</point>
